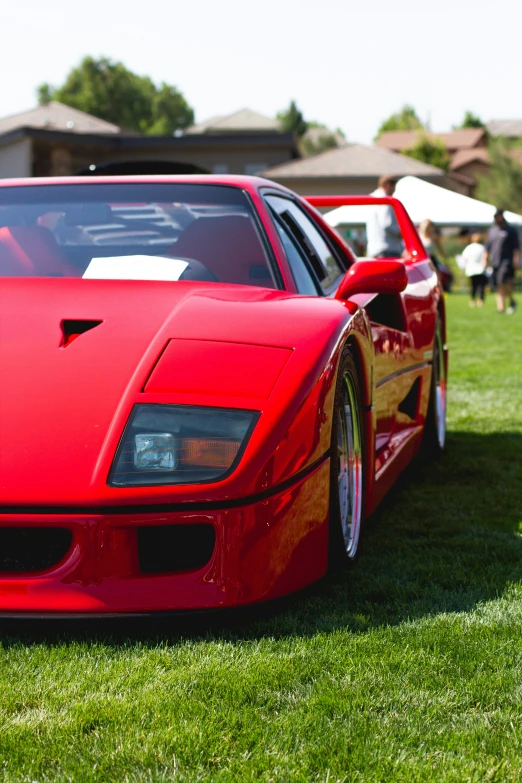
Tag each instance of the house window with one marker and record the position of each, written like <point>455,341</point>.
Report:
<point>255,168</point>
<point>220,168</point>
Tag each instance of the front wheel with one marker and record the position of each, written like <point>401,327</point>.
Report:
<point>346,477</point>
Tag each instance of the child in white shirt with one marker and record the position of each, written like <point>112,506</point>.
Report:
<point>474,269</point>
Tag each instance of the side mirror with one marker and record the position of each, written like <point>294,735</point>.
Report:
<point>373,277</point>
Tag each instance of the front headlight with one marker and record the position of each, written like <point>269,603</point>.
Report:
<point>180,444</point>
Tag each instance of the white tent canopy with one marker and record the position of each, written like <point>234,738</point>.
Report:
<point>424,200</point>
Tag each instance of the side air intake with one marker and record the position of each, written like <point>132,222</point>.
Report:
<point>71,329</point>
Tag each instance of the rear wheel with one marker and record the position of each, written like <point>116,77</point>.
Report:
<point>346,477</point>
<point>435,426</point>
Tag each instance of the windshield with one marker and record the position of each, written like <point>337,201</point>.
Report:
<point>132,231</point>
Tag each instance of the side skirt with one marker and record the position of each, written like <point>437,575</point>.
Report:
<point>402,450</point>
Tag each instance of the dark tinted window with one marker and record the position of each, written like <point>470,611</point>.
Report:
<point>304,281</point>
<point>138,231</point>
<point>314,245</point>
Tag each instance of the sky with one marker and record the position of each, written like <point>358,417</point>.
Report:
<point>346,64</point>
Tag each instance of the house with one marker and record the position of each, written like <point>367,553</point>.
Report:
<point>464,139</point>
<point>511,129</point>
<point>56,140</point>
<point>354,169</point>
<point>467,148</point>
<point>242,121</point>
<point>470,163</point>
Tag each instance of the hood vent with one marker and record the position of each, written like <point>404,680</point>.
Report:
<point>71,329</point>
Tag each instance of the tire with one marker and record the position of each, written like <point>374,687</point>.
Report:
<point>434,438</point>
<point>346,465</point>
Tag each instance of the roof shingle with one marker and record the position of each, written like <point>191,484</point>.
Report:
<point>463,157</point>
<point>455,140</point>
<point>242,121</point>
<point>353,160</point>
<point>57,116</point>
<point>510,128</point>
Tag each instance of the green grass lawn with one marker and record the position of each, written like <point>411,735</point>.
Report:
<point>406,667</point>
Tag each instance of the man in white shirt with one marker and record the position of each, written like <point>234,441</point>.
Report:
<point>382,229</point>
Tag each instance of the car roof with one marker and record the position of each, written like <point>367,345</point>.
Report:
<point>244,182</point>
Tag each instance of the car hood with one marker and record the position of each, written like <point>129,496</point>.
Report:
<point>63,401</point>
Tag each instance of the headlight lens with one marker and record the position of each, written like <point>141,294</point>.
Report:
<point>180,444</point>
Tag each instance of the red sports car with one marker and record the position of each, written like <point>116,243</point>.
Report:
<point>203,391</point>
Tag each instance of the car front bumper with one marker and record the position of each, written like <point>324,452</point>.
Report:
<point>262,550</point>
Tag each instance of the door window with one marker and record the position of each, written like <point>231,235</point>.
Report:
<point>304,281</point>
<point>313,244</point>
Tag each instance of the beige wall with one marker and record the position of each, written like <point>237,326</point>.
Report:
<point>451,183</point>
<point>16,159</point>
<point>474,168</point>
<point>236,159</point>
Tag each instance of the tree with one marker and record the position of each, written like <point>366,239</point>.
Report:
<point>110,91</point>
<point>470,121</point>
<point>170,111</point>
<point>292,121</point>
<point>44,93</point>
<point>319,138</point>
<point>324,141</point>
<point>405,119</point>
<point>429,150</point>
<point>503,185</point>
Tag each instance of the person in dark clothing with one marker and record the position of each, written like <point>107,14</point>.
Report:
<point>503,255</point>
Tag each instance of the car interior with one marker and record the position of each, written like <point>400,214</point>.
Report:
<point>216,244</point>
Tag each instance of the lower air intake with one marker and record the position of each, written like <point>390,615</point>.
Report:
<point>27,549</point>
<point>172,548</point>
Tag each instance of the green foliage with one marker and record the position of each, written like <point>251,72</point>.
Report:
<point>317,138</point>
<point>503,185</point>
<point>170,111</point>
<point>405,119</point>
<point>429,150</point>
<point>44,93</point>
<point>291,120</point>
<point>110,91</point>
<point>470,121</point>
<point>319,143</point>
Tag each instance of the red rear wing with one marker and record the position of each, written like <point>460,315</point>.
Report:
<point>412,241</point>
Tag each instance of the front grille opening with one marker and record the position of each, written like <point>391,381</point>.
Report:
<point>171,548</point>
<point>26,549</point>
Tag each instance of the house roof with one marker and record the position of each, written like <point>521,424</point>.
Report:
<point>57,116</point>
<point>242,121</point>
<point>454,140</point>
<point>510,128</point>
<point>353,160</point>
<point>463,157</point>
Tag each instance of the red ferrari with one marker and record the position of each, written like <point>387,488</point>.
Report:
<point>204,393</point>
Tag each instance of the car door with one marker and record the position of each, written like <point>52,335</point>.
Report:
<point>402,330</point>
<point>304,238</point>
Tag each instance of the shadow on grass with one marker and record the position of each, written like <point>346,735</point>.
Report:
<point>445,539</point>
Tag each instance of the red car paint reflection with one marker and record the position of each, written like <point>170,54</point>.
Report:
<point>261,328</point>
